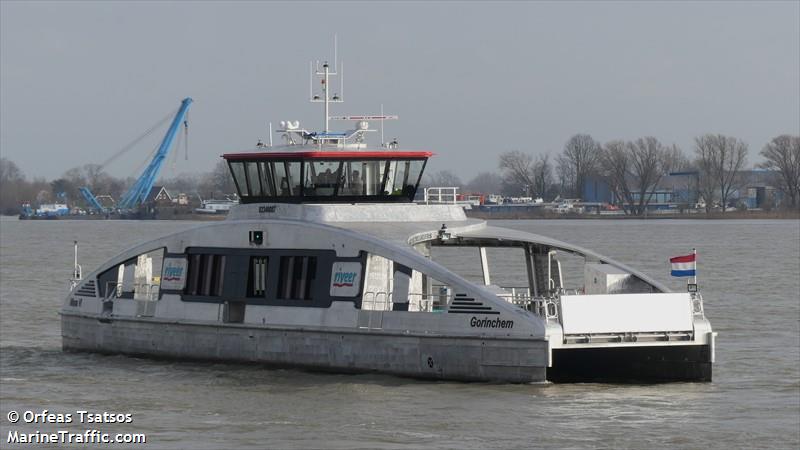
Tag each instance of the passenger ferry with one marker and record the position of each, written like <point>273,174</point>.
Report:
<point>328,264</point>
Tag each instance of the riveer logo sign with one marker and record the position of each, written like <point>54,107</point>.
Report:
<point>174,275</point>
<point>345,279</point>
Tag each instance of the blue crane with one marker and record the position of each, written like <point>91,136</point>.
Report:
<point>91,200</point>
<point>136,195</point>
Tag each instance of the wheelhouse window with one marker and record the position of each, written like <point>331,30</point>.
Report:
<point>332,180</point>
<point>255,182</point>
<point>266,172</point>
<point>321,178</point>
<point>206,275</point>
<point>266,179</point>
<point>403,176</point>
<point>293,175</point>
<point>239,178</point>
<point>297,275</point>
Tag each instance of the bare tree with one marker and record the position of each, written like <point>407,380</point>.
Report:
<point>444,178</point>
<point>485,182</point>
<point>15,188</point>
<point>648,162</point>
<point>719,159</point>
<point>543,175</point>
<point>566,178</point>
<point>182,183</point>
<point>782,154</point>
<point>12,182</point>
<point>219,182</point>
<point>64,188</point>
<point>635,169</point>
<point>518,170</point>
<point>525,174</point>
<point>92,176</point>
<point>615,164</point>
<point>706,184</point>
<point>578,160</point>
<point>675,160</point>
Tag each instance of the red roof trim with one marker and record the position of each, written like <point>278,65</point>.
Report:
<point>328,155</point>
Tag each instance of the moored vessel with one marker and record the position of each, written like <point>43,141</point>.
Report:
<point>215,206</point>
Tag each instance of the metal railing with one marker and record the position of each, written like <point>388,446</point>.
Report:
<point>382,301</point>
<point>141,291</point>
<point>113,289</point>
<point>146,291</point>
<point>379,301</point>
<point>544,306</point>
<point>441,195</point>
<point>697,304</point>
<point>548,307</point>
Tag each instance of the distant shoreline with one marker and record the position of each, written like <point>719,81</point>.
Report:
<point>737,215</point>
<point>783,215</point>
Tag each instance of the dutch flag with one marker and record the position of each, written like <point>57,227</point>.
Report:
<point>684,266</point>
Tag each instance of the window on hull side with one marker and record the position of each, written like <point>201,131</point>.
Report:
<point>297,275</point>
<point>257,276</point>
<point>138,278</point>
<point>206,275</point>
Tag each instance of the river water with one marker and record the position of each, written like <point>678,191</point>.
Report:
<point>749,273</point>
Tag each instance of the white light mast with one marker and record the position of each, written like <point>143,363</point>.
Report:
<point>324,74</point>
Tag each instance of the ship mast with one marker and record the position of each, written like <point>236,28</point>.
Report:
<point>324,73</point>
<point>293,134</point>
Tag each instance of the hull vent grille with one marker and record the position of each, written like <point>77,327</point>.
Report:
<point>462,304</point>
<point>87,289</point>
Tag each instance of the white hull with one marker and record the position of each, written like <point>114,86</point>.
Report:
<point>418,356</point>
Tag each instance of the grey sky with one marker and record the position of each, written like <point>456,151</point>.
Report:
<point>469,80</point>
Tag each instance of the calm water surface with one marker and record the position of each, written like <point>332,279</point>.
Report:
<point>749,275</point>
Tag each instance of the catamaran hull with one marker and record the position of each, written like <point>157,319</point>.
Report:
<point>632,364</point>
<point>347,351</point>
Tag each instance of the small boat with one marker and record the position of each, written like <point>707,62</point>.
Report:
<point>215,206</point>
<point>44,211</point>
<point>328,264</point>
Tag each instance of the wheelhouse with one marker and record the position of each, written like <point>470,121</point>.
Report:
<point>327,176</point>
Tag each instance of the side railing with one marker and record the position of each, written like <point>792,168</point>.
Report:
<point>373,304</point>
<point>417,302</point>
<point>544,306</point>
<point>144,294</point>
<point>146,291</point>
<point>441,195</point>
<point>549,307</point>
<point>141,291</point>
<point>113,290</point>
<point>697,304</point>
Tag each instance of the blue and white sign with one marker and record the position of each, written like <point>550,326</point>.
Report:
<point>174,275</point>
<point>345,279</point>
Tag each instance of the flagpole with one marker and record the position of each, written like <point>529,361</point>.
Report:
<point>694,278</point>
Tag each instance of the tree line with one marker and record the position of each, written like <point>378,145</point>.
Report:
<point>633,170</point>
<point>16,188</point>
